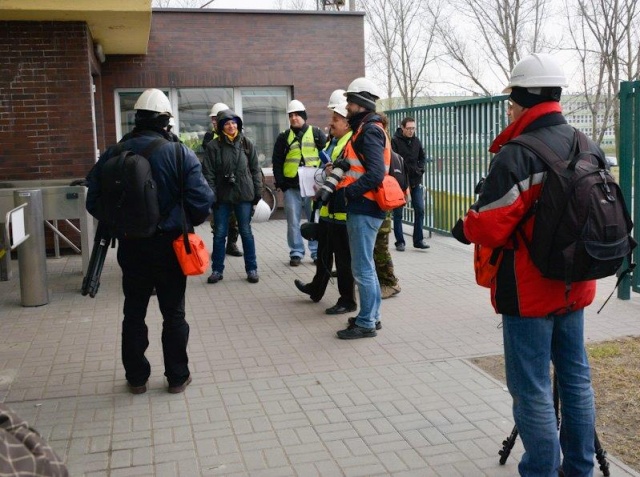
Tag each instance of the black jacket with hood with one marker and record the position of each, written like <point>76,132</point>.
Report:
<point>410,148</point>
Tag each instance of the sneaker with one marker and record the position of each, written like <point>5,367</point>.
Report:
<point>400,247</point>
<point>137,389</point>
<point>252,276</point>
<point>215,277</point>
<point>339,309</point>
<point>356,332</point>
<point>421,245</point>
<point>352,322</point>
<point>295,261</point>
<point>233,250</point>
<point>179,388</point>
<point>396,289</point>
<point>388,291</point>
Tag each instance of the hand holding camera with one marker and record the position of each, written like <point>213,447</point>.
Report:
<point>330,184</point>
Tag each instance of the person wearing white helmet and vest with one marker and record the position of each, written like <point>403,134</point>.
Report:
<point>369,155</point>
<point>332,230</point>
<point>542,320</point>
<point>151,262</point>
<point>296,147</point>
<point>232,237</point>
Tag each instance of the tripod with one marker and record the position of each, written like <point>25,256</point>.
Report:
<point>509,442</point>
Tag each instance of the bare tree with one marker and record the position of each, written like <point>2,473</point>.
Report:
<point>484,39</point>
<point>403,32</point>
<point>605,37</point>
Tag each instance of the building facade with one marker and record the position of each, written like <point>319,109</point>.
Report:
<point>69,79</point>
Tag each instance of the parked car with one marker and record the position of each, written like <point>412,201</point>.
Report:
<point>611,160</point>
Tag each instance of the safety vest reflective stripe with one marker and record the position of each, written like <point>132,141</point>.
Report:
<point>335,154</point>
<point>305,156</point>
<point>357,169</point>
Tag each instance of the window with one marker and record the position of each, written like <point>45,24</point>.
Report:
<point>263,112</point>
<point>194,106</point>
<point>264,117</point>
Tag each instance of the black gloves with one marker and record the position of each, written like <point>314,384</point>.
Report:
<point>458,232</point>
<point>256,199</point>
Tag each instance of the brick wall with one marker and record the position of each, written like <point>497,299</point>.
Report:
<point>314,53</point>
<point>45,103</point>
<point>46,124</point>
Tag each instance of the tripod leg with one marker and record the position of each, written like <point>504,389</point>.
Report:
<point>507,445</point>
<point>601,456</point>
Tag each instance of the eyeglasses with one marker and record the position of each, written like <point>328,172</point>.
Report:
<point>410,129</point>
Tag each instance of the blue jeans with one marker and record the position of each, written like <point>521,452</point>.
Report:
<point>417,202</point>
<point>362,230</point>
<point>221,213</point>
<point>530,344</point>
<point>294,204</point>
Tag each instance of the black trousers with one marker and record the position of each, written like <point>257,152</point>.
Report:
<point>149,263</point>
<point>333,240</point>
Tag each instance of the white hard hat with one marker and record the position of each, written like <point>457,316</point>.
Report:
<point>295,106</point>
<point>538,70</point>
<point>154,100</point>
<point>216,108</point>
<point>336,98</point>
<point>363,85</point>
<point>261,212</point>
<point>341,109</point>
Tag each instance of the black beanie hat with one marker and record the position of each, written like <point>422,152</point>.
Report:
<point>302,114</point>
<point>364,99</point>
<point>524,98</point>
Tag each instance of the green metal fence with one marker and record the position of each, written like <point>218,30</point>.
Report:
<point>456,137</point>
<point>629,163</point>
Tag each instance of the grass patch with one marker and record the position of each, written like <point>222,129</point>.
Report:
<point>615,367</point>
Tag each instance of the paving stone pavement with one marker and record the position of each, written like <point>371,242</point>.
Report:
<point>274,392</point>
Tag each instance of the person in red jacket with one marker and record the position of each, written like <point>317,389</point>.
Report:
<point>543,321</point>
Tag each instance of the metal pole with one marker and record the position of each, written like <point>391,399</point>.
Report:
<point>32,258</point>
<point>624,160</point>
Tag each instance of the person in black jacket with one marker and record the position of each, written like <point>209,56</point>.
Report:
<point>151,262</point>
<point>232,170</point>
<point>232,236</point>
<point>406,143</point>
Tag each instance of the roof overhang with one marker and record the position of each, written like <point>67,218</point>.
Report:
<point>122,27</point>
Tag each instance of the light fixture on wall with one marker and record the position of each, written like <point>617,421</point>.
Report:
<point>99,53</point>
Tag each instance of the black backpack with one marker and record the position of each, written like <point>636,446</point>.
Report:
<point>582,225</point>
<point>129,205</point>
<point>397,170</point>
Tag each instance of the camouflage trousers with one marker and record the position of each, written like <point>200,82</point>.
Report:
<point>382,257</point>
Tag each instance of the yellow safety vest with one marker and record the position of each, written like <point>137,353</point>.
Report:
<point>307,155</point>
<point>335,154</point>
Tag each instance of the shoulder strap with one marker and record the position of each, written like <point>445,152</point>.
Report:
<point>543,151</point>
<point>147,151</point>
<point>179,166</point>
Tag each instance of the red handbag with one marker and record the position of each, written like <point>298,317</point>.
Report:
<point>192,254</point>
<point>389,195</point>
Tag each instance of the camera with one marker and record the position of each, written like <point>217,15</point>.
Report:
<point>332,180</point>
<point>230,178</point>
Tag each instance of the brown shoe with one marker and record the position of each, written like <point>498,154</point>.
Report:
<point>137,389</point>
<point>387,291</point>
<point>180,388</point>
